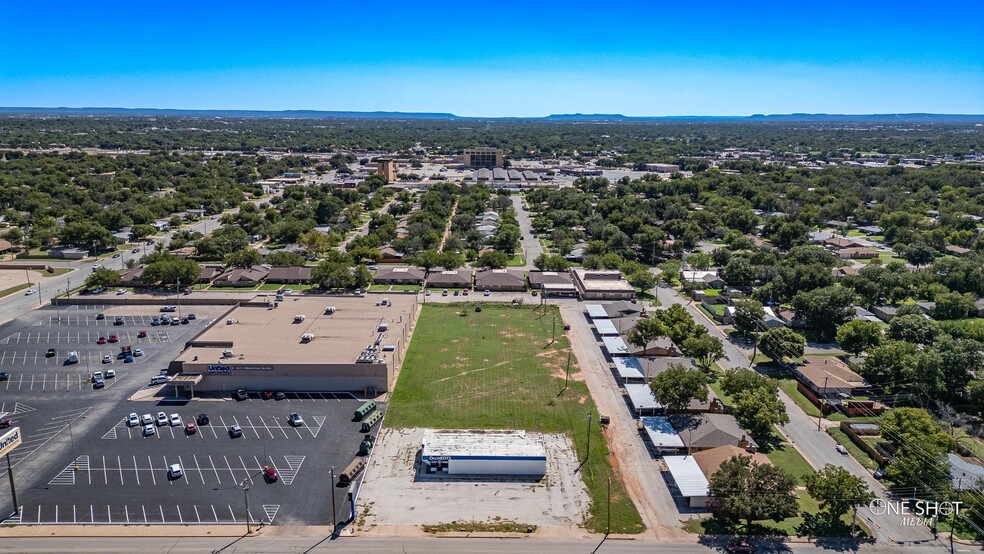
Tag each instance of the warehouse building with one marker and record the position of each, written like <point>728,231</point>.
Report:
<point>481,452</point>
<point>303,344</point>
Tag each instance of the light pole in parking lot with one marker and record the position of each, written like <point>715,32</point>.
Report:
<point>246,498</point>
<point>331,484</point>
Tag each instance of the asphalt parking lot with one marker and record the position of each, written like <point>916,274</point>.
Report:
<point>119,474</point>
<point>67,424</point>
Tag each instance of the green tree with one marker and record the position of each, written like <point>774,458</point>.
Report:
<point>890,364</point>
<point>102,277</point>
<point>642,280</point>
<point>756,404</point>
<point>859,336</point>
<point>838,491</point>
<point>748,320</point>
<point>493,259</point>
<point>361,277</point>
<point>920,446</point>
<point>334,274</point>
<point>315,243</point>
<point>920,254</point>
<point>645,331</point>
<point>742,490</point>
<point>782,343</point>
<point>142,231</point>
<point>825,308</point>
<point>363,254</point>
<point>676,387</point>
<point>245,258</point>
<point>427,259</point>
<point>704,349</point>
<point>451,261</point>
<point>170,270</point>
<point>913,328</point>
<point>953,305</point>
<point>551,262</point>
<point>285,259</point>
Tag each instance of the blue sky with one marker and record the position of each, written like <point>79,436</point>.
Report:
<point>499,58</point>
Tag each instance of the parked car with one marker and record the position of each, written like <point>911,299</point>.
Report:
<point>840,448</point>
<point>146,419</point>
<point>149,430</point>
<point>132,420</point>
<point>740,547</point>
<point>110,374</point>
<point>266,395</point>
<point>101,340</point>
<point>878,474</point>
<point>135,251</point>
<point>50,353</point>
<point>174,321</point>
<point>202,419</point>
<point>191,429</point>
<point>120,291</point>
<point>100,316</point>
<point>116,255</point>
<point>99,384</point>
<point>192,317</point>
<point>118,320</point>
<point>279,395</point>
<point>137,352</point>
<point>97,376</point>
<point>114,338</point>
<point>29,292</point>
<point>235,431</point>
<point>161,419</point>
<point>142,334</point>
<point>4,376</point>
<point>487,292</point>
<point>6,422</point>
<point>184,321</point>
<point>175,420</point>
<point>240,394</point>
<point>270,474</point>
<point>174,471</point>
<point>444,292</point>
<point>128,359</point>
<point>107,359</point>
<point>295,419</point>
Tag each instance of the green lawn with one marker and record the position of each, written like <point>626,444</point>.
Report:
<point>716,388</point>
<point>56,271</point>
<point>787,457</point>
<point>278,286</point>
<point>394,288</point>
<point>788,386</point>
<point>516,261</point>
<point>15,288</point>
<point>794,526</point>
<point>497,369</point>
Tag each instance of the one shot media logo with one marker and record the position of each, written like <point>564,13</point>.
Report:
<point>914,511</point>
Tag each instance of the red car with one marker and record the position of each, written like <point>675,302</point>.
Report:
<point>102,340</point>
<point>191,429</point>
<point>8,422</point>
<point>141,334</point>
<point>270,474</point>
<point>113,338</point>
<point>267,395</point>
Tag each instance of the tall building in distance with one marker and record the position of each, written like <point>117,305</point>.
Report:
<point>483,157</point>
<point>387,168</point>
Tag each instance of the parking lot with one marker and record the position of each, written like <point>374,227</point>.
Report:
<point>80,463</point>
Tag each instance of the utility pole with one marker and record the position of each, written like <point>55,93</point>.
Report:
<point>246,499</point>
<point>331,471</point>
<point>588,449</point>
<point>608,526</point>
<point>13,491</point>
<point>823,402</point>
<point>554,330</point>
<point>568,379</point>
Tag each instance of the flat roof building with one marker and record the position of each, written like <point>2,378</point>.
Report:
<point>326,343</point>
<point>552,283</point>
<point>387,168</point>
<point>483,452</point>
<point>484,157</point>
<point>601,285</point>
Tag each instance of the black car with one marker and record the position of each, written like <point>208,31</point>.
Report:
<point>184,321</point>
<point>279,395</point>
<point>202,419</point>
<point>100,316</point>
<point>50,353</point>
<point>240,394</point>
<point>4,376</point>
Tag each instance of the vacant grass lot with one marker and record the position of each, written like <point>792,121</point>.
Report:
<point>498,369</point>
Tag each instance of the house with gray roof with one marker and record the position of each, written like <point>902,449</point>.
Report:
<point>705,431</point>
<point>499,280</point>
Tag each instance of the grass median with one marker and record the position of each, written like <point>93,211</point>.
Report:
<point>500,369</point>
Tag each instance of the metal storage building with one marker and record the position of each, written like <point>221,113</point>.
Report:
<point>481,452</point>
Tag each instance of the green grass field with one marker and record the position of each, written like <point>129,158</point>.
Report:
<point>516,261</point>
<point>15,288</point>
<point>788,458</point>
<point>499,369</point>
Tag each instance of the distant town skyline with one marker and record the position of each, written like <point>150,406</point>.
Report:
<point>495,60</point>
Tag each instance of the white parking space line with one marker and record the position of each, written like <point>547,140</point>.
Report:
<point>187,480</point>
<point>120,463</point>
<point>231,513</point>
<point>144,510</point>
<point>136,472</point>
<point>215,470</point>
<point>248,476</point>
<point>230,469</point>
<point>126,511</point>
<point>281,427</point>
<point>152,476</point>
<point>200,475</point>
<point>198,517</point>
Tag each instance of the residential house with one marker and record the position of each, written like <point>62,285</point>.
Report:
<point>389,255</point>
<point>856,253</point>
<point>703,279</point>
<point>959,251</point>
<point>500,280</point>
<point>706,431</point>
<point>710,460</point>
<point>132,278</point>
<point>964,473</point>
<point>399,276</point>
<point>616,310</point>
<point>838,242</point>
<point>239,277</point>
<point>861,313</point>
<point>841,272</point>
<point>662,346</point>
<point>885,313</point>
<point>871,230</point>
<point>209,272</point>
<point>68,253</point>
<point>457,279</point>
<point>289,274</point>
<point>827,375</point>
<point>770,320</point>
<point>5,246</point>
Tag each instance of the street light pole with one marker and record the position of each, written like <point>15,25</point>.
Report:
<point>588,449</point>
<point>246,498</point>
<point>334,522</point>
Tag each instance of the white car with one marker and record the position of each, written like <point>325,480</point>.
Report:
<point>146,419</point>
<point>107,359</point>
<point>137,352</point>
<point>96,266</point>
<point>132,420</point>
<point>288,291</point>
<point>175,420</point>
<point>161,419</point>
<point>149,430</point>
<point>29,292</point>
<point>174,471</point>
<point>110,374</point>
<point>120,291</point>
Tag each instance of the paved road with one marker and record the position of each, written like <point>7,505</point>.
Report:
<point>531,246</point>
<point>816,446</point>
<point>295,543</point>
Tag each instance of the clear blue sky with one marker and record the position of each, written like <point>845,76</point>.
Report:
<point>497,58</point>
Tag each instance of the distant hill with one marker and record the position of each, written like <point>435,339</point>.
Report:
<point>575,117</point>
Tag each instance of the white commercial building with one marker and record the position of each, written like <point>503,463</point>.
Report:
<point>480,452</point>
